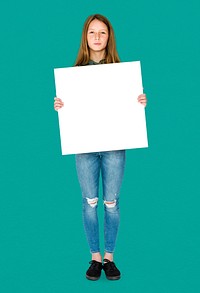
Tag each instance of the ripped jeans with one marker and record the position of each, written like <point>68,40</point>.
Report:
<point>111,165</point>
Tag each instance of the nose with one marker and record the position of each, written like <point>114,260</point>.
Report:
<point>96,36</point>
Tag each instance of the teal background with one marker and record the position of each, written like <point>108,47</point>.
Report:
<point>42,244</point>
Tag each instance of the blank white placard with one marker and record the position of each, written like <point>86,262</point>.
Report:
<point>101,111</point>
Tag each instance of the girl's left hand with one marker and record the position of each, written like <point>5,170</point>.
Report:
<point>142,99</point>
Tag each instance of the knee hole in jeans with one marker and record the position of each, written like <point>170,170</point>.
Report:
<point>92,201</point>
<point>110,203</point>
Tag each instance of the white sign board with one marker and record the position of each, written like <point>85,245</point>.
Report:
<point>101,111</point>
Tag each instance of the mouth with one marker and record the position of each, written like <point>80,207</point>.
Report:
<point>97,44</point>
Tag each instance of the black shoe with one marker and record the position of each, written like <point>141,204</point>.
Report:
<point>111,271</point>
<point>94,271</point>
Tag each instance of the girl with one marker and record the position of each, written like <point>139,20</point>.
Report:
<point>97,47</point>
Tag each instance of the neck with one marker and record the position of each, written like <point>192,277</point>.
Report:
<point>97,56</point>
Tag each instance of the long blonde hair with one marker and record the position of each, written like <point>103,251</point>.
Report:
<point>111,52</point>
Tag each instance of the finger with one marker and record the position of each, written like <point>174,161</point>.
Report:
<point>142,95</point>
<point>58,99</point>
<point>142,100</point>
<point>59,103</point>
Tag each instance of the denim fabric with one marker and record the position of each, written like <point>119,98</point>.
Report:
<point>111,166</point>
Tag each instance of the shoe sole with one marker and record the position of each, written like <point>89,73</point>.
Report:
<point>92,278</point>
<point>113,278</point>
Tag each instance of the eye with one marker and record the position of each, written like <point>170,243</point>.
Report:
<point>91,32</point>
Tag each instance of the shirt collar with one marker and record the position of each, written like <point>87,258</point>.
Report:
<point>91,62</point>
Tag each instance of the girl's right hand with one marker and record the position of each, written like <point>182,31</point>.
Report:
<point>58,104</point>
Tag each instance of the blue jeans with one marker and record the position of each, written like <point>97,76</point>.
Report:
<point>111,165</point>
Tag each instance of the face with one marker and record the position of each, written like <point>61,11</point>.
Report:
<point>97,36</point>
